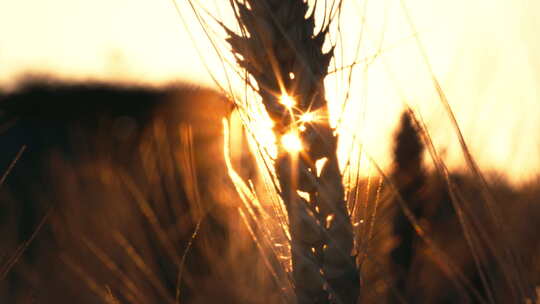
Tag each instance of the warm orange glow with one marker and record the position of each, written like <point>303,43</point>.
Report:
<point>287,101</point>
<point>291,142</point>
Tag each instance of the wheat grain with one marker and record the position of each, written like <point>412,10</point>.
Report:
<point>278,46</point>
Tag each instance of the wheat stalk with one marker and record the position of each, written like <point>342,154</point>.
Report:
<point>277,46</point>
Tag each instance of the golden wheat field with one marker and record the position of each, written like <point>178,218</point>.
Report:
<point>269,151</point>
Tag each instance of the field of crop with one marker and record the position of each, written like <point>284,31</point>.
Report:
<point>264,187</point>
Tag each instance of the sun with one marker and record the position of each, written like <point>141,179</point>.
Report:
<point>308,117</point>
<point>291,142</point>
<point>287,101</point>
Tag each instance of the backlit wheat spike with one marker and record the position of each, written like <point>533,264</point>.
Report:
<point>278,47</point>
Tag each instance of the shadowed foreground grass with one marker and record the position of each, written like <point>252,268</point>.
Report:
<point>129,178</point>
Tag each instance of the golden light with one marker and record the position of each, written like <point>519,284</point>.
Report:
<point>308,117</point>
<point>319,164</point>
<point>138,54</point>
<point>302,194</point>
<point>291,142</point>
<point>329,220</point>
<point>265,137</point>
<point>287,101</point>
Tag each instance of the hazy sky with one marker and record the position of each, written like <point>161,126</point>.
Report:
<point>486,55</point>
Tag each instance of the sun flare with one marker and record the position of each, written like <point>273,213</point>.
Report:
<point>308,117</point>
<point>287,101</point>
<point>291,142</point>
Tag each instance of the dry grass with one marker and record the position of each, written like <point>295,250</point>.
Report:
<point>143,211</point>
<point>124,195</point>
<point>281,55</point>
<point>127,204</point>
<point>279,48</point>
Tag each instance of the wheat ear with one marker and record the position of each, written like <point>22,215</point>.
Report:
<point>277,46</point>
<point>409,178</point>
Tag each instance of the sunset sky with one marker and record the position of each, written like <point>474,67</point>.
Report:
<point>486,55</point>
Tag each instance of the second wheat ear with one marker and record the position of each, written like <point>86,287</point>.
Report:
<point>277,45</point>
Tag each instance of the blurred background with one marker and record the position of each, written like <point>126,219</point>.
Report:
<point>484,53</point>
